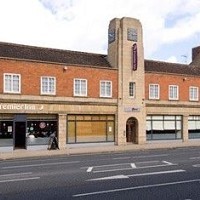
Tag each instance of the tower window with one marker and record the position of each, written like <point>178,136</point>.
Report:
<point>132,89</point>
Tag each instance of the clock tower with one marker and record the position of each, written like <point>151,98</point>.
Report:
<point>125,52</point>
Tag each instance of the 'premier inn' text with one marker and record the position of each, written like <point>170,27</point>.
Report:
<point>17,107</point>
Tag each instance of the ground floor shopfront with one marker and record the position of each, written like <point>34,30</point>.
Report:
<point>173,121</point>
<point>29,131</point>
<point>171,127</point>
<point>31,127</point>
<point>23,131</point>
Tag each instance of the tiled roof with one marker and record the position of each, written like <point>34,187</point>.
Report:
<point>18,51</point>
<point>173,68</point>
<point>9,50</point>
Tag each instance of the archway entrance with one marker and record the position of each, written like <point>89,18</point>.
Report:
<point>131,130</point>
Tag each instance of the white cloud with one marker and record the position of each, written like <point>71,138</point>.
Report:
<point>184,28</point>
<point>82,24</point>
<point>172,59</point>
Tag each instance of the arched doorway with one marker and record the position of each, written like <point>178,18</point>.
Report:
<point>131,130</point>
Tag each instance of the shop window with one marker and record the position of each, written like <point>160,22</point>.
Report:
<point>194,127</point>
<point>90,131</point>
<point>95,117</point>
<point>87,117</point>
<point>80,117</point>
<point>71,117</point>
<point>12,83</point>
<point>163,127</point>
<point>6,133</point>
<point>71,132</point>
<point>110,117</point>
<point>90,128</point>
<point>39,131</point>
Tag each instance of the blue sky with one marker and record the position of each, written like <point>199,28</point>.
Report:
<point>171,28</point>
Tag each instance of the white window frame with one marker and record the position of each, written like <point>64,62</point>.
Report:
<point>154,91</point>
<point>173,96</point>
<point>12,90</point>
<point>48,92</point>
<point>132,90</point>
<point>105,93</point>
<point>81,93</point>
<point>193,93</point>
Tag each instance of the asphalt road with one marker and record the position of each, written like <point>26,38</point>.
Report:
<point>172,174</point>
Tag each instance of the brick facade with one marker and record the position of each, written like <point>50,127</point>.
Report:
<point>31,73</point>
<point>122,115</point>
<point>164,80</point>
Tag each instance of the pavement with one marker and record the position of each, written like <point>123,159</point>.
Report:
<point>77,149</point>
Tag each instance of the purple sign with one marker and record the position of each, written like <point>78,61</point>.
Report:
<point>134,57</point>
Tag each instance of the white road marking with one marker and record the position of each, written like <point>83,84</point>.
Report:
<point>19,179</point>
<point>152,166</point>
<point>168,163</point>
<point>142,167</point>
<point>16,174</point>
<point>121,158</point>
<point>154,161</point>
<point>99,168</point>
<point>109,178</point>
<point>89,169</point>
<point>112,170</point>
<point>133,165</point>
<point>194,158</point>
<point>111,165</point>
<point>151,156</point>
<point>197,165</point>
<point>135,175</point>
<point>157,173</point>
<point>39,165</point>
<point>135,188</point>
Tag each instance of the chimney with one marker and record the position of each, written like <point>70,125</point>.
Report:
<point>195,52</point>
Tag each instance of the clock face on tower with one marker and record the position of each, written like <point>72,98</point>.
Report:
<point>132,34</point>
<point>111,36</point>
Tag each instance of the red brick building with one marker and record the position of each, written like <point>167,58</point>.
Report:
<point>118,98</point>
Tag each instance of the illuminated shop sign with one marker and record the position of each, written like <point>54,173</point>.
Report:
<point>15,106</point>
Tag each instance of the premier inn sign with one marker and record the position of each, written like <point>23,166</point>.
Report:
<point>15,106</point>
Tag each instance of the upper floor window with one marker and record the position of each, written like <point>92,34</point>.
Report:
<point>80,87</point>
<point>154,91</point>
<point>131,89</point>
<point>48,85</point>
<point>12,83</point>
<point>173,92</point>
<point>105,89</point>
<point>194,93</point>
